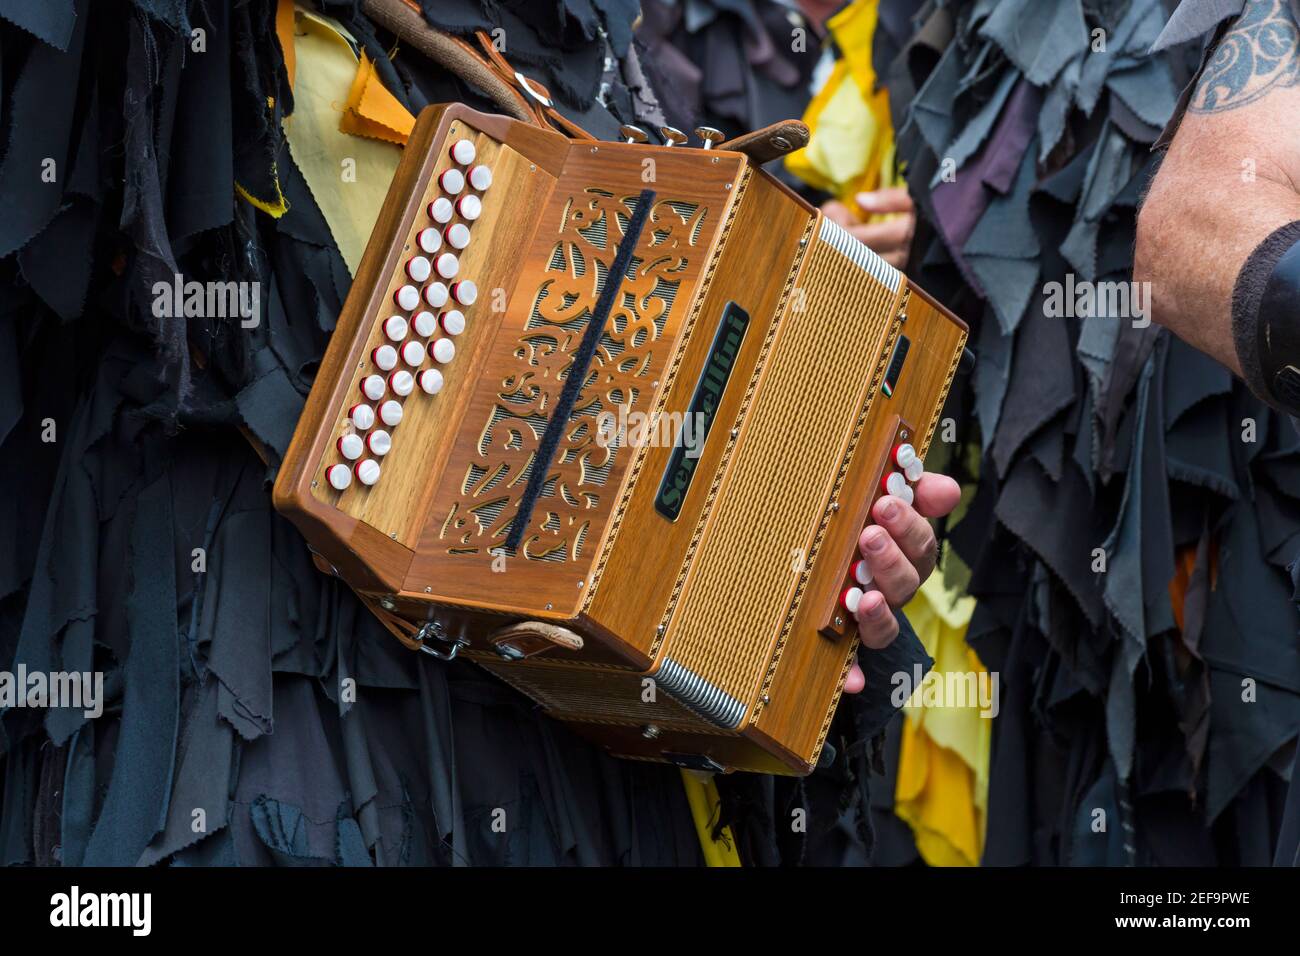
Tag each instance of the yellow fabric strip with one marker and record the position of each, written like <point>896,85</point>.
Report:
<point>943,767</point>
<point>706,806</point>
<point>276,208</point>
<point>373,111</point>
<point>852,145</point>
<point>348,175</point>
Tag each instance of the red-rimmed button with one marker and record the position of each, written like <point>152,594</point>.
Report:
<point>453,321</point>
<point>424,324</point>
<point>418,268</point>
<point>444,350</point>
<point>350,446</point>
<point>441,209</point>
<point>407,297</point>
<point>861,572</point>
<point>362,416</point>
<point>367,471</point>
<point>463,152</point>
<point>395,328</point>
<point>379,442</point>
<point>372,386</point>
<point>384,357</point>
<point>851,599</point>
<point>429,240</point>
<point>390,413</point>
<point>904,454</point>
<point>413,353</point>
<point>452,181</point>
<point>447,265</point>
<point>431,381</point>
<point>894,484</point>
<point>464,292</point>
<point>435,294</point>
<point>339,477</point>
<point>457,235</point>
<point>469,206</point>
<point>401,382</point>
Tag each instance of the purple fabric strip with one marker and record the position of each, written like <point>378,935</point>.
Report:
<point>959,205</point>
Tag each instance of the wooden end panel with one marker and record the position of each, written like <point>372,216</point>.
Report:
<point>397,505</point>
<point>645,561</point>
<point>365,533</point>
<point>806,677</point>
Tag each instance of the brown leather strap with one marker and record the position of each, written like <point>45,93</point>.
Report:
<point>485,68</point>
<point>405,21</point>
<point>770,142</point>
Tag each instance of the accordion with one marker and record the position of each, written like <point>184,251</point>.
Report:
<point>608,418</point>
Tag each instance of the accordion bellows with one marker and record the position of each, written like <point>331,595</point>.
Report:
<point>608,419</point>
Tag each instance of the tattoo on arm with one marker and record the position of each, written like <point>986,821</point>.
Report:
<point>1260,53</point>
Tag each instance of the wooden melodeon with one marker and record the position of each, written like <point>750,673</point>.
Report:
<point>470,460</point>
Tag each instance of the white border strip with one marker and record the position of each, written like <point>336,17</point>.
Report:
<point>861,256</point>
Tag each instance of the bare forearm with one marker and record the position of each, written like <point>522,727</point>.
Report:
<point>1228,182</point>
<point>1198,226</point>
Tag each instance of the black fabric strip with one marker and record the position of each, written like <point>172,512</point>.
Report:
<point>578,370</point>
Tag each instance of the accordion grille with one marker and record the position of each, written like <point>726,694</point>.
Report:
<point>785,460</point>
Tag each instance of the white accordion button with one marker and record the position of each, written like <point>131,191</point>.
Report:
<point>379,442</point>
<point>384,357</point>
<point>441,209</point>
<point>444,350</point>
<point>896,484</point>
<point>851,598</point>
<point>431,381</point>
<point>413,353</point>
<point>480,177</point>
<point>401,382</point>
<point>339,477</point>
<point>904,455</point>
<point>430,240</point>
<point>407,297</point>
<point>914,470</point>
<point>418,268</point>
<point>453,322</point>
<point>469,206</point>
<point>435,293</point>
<point>861,573</point>
<point>457,235</point>
<point>425,323</point>
<point>465,292</point>
<point>463,152</point>
<point>372,386</point>
<point>362,416</point>
<point>908,495</point>
<point>350,446</point>
<point>367,471</point>
<point>452,181</point>
<point>395,328</point>
<point>447,265</point>
<point>390,413</point>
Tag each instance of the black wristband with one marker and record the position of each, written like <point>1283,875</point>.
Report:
<point>1266,319</point>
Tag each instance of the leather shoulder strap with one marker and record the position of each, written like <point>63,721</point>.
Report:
<point>484,67</point>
